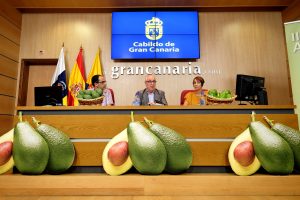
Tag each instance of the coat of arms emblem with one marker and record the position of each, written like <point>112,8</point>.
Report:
<point>154,28</point>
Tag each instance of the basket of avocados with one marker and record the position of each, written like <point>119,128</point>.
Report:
<point>90,97</point>
<point>224,97</point>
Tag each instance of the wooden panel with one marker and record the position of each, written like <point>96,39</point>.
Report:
<point>8,67</point>
<point>9,86</point>
<point>191,126</point>
<point>7,105</point>
<point>7,123</point>
<point>35,79</point>
<point>204,153</point>
<point>10,13</point>
<point>136,185</point>
<point>164,197</point>
<point>292,13</point>
<point>162,3</point>
<point>9,30</point>
<point>9,49</point>
<point>227,40</point>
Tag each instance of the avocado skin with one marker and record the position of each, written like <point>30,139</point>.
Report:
<point>273,152</point>
<point>146,151</point>
<point>30,150</point>
<point>61,149</point>
<point>179,153</point>
<point>292,136</point>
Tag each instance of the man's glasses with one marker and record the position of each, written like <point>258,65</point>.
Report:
<point>151,81</point>
<point>100,82</point>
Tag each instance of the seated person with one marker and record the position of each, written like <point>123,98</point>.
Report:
<point>99,81</point>
<point>194,97</point>
<point>150,95</point>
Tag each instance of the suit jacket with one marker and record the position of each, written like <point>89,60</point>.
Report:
<point>159,97</point>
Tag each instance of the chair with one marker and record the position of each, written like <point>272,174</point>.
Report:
<point>184,92</point>
<point>112,95</point>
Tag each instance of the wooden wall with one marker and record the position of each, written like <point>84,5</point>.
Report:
<point>292,13</point>
<point>10,32</point>
<point>231,42</point>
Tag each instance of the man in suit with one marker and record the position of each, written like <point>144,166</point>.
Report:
<point>150,95</point>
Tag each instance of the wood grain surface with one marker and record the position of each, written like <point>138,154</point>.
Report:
<point>189,125</point>
<point>138,185</point>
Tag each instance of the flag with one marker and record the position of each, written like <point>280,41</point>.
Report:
<point>76,80</point>
<point>59,76</point>
<point>96,69</point>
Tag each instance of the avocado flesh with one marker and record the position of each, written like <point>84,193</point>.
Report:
<point>179,153</point>
<point>292,136</point>
<point>108,167</point>
<point>234,164</point>
<point>146,151</point>
<point>273,152</point>
<point>61,149</point>
<point>9,136</point>
<point>30,150</point>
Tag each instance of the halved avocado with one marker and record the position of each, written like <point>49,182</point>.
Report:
<point>109,168</point>
<point>235,165</point>
<point>9,136</point>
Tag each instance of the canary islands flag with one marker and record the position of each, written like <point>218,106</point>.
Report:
<point>77,80</point>
<point>96,68</point>
<point>59,76</point>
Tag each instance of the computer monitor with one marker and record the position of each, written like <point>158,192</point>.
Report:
<point>251,89</point>
<point>48,96</point>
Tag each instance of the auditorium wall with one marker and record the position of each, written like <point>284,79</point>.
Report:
<point>231,43</point>
<point>10,32</point>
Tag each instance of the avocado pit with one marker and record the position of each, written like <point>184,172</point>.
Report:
<point>244,153</point>
<point>5,152</point>
<point>118,153</point>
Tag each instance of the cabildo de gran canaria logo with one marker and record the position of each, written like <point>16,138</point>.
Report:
<point>154,28</point>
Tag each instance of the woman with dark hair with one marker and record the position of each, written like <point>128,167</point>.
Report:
<point>198,95</point>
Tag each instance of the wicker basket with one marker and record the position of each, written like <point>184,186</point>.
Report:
<point>214,100</point>
<point>90,102</point>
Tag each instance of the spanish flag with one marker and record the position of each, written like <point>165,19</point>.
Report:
<point>77,80</point>
<point>96,68</point>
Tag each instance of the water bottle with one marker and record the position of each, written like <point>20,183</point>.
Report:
<point>136,101</point>
<point>202,100</point>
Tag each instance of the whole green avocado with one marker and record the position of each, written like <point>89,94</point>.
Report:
<point>61,148</point>
<point>273,152</point>
<point>179,153</point>
<point>30,150</point>
<point>147,152</point>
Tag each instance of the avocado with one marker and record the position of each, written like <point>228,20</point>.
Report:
<point>240,168</point>
<point>99,91</point>
<point>273,152</point>
<point>108,166</point>
<point>146,151</point>
<point>290,135</point>
<point>88,92</point>
<point>86,96</point>
<point>95,94</point>
<point>9,162</point>
<point>179,153</point>
<point>30,150</point>
<point>79,96</point>
<point>61,148</point>
<point>81,92</point>
<point>213,92</point>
